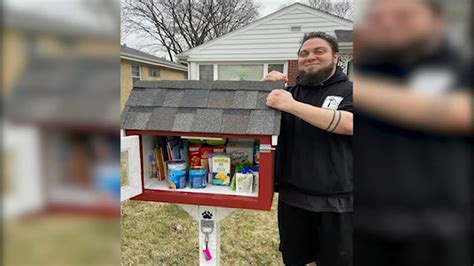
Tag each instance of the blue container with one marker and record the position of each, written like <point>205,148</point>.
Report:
<point>177,173</point>
<point>107,179</point>
<point>197,177</point>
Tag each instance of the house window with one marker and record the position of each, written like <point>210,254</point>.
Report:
<point>295,28</point>
<point>276,67</point>
<point>206,72</point>
<point>136,73</point>
<point>240,72</point>
<point>154,72</point>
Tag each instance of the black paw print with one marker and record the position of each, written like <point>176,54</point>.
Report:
<point>207,215</point>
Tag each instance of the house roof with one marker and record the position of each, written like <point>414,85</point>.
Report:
<point>139,56</point>
<point>343,24</point>
<point>225,107</point>
<point>67,91</point>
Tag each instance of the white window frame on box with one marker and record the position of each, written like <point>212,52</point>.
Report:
<point>265,66</point>
<point>27,196</point>
<point>134,187</point>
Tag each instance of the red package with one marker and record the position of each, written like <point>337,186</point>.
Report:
<point>204,156</point>
<point>194,155</point>
<point>218,149</point>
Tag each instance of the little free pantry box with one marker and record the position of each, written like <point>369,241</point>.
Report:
<point>165,120</point>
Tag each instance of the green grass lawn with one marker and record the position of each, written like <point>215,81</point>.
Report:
<point>161,233</point>
<point>61,240</point>
<point>150,234</point>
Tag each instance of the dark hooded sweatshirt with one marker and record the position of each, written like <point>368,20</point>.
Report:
<point>313,163</point>
<point>412,181</point>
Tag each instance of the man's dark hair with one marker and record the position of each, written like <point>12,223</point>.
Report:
<point>321,35</point>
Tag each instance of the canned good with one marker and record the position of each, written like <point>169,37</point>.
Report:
<point>197,177</point>
<point>177,173</point>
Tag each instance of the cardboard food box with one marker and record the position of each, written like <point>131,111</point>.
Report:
<point>221,170</point>
<point>194,155</point>
<point>240,151</point>
<point>204,154</point>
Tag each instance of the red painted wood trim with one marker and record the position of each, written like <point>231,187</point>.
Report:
<point>218,200</point>
<point>85,127</point>
<point>129,132</point>
<point>266,176</point>
<point>106,211</point>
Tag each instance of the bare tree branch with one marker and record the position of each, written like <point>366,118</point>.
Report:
<point>342,8</point>
<point>178,25</point>
<point>106,11</point>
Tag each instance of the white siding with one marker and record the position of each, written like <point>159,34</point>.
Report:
<point>269,38</point>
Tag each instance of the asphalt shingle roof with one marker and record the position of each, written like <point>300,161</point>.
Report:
<point>125,50</point>
<point>67,91</point>
<point>227,107</point>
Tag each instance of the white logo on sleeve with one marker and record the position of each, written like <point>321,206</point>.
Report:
<point>434,80</point>
<point>332,102</point>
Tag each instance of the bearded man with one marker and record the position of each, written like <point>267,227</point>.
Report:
<point>413,145</point>
<point>314,157</point>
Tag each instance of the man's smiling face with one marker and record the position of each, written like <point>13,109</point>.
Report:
<point>402,25</point>
<point>316,54</point>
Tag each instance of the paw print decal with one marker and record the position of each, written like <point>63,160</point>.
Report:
<point>207,215</point>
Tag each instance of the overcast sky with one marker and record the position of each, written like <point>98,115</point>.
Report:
<point>270,6</point>
<point>69,11</point>
<point>266,7</point>
<point>74,11</point>
<point>61,9</point>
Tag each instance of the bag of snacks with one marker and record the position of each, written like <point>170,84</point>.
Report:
<point>244,181</point>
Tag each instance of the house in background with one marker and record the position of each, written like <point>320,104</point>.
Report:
<point>269,43</point>
<point>61,114</point>
<point>137,65</point>
<point>26,37</point>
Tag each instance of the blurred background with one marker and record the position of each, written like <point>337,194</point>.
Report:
<point>60,141</point>
<point>60,138</point>
<point>413,132</point>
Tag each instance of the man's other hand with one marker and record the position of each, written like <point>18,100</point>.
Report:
<point>275,76</point>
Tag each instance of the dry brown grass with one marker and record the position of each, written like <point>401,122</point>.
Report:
<point>61,240</point>
<point>159,233</point>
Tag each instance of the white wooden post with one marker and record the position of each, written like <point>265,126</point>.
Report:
<point>215,214</point>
